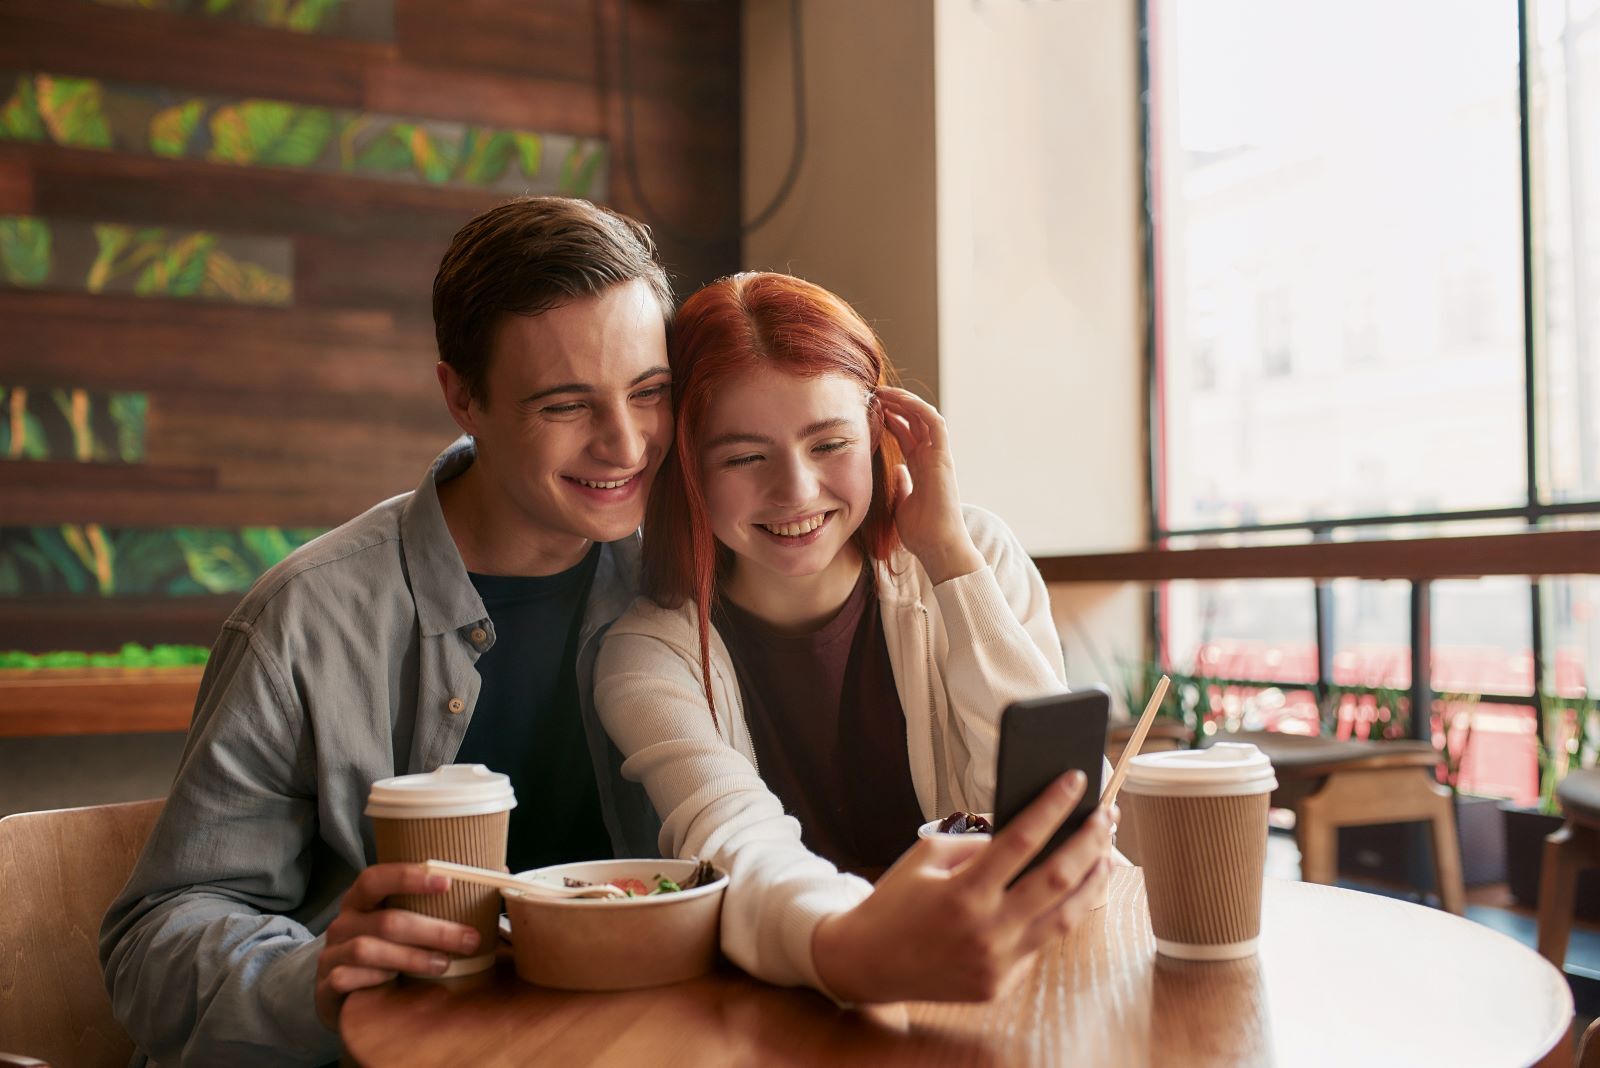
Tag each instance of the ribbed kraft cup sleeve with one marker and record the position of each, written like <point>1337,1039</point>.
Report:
<point>476,840</point>
<point>1203,862</point>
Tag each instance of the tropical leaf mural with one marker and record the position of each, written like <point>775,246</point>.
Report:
<point>89,560</point>
<point>145,261</point>
<point>365,19</point>
<point>72,424</point>
<point>81,113</point>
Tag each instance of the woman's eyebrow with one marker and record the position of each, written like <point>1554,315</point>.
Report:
<point>740,437</point>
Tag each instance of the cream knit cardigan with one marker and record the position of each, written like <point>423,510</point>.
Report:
<point>961,652</point>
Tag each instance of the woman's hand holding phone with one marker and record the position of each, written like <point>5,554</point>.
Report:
<point>928,507</point>
<point>947,923</point>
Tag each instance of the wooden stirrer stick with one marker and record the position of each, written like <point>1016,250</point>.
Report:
<point>1110,796</point>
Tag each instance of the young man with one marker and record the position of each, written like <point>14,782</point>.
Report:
<point>456,623</point>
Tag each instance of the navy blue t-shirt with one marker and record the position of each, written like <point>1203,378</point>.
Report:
<point>528,723</point>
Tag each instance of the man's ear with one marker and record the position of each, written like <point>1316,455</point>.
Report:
<point>457,398</point>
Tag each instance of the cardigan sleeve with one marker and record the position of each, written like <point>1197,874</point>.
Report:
<point>1003,646</point>
<point>712,800</point>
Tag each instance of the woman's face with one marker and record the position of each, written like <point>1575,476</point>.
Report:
<point>786,463</point>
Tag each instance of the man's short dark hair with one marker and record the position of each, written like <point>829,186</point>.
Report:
<point>529,256</point>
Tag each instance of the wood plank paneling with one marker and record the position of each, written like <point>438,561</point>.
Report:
<point>307,415</point>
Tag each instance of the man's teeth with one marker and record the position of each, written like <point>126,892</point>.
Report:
<point>794,530</point>
<point>603,485</point>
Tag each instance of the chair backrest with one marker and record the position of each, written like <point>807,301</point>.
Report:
<point>59,871</point>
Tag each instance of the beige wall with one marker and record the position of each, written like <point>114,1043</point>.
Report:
<point>973,186</point>
<point>860,220</point>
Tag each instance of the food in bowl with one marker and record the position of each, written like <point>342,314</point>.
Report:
<point>965,823</point>
<point>977,824</point>
<point>703,874</point>
<point>618,943</point>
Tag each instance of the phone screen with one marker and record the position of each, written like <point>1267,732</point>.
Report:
<point>1043,739</point>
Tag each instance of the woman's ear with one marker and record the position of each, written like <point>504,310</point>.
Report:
<point>874,420</point>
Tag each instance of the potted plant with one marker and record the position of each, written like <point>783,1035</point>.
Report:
<point>1571,740</point>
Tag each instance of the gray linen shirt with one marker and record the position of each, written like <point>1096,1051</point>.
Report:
<point>349,662</point>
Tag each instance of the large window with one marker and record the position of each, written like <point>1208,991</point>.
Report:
<point>1376,277</point>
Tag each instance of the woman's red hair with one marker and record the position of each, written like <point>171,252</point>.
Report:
<point>732,326</point>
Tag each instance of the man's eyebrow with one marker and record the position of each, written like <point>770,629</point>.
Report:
<point>584,387</point>
<point>743,438</point>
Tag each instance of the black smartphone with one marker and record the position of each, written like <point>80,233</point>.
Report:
<point>1043,739</point>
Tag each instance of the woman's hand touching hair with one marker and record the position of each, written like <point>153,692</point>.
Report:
<point>927,512</point>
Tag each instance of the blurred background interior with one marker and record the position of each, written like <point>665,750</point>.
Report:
<point>1273,329</point>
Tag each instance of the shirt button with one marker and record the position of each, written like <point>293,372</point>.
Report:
<point>457,706</point>
<point>478,635</point>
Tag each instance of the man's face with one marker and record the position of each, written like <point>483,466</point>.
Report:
<point>576,415</point>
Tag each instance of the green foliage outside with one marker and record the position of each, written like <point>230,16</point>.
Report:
<point>131,655</point>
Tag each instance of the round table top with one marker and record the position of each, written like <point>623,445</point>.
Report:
<point>1342,978</point>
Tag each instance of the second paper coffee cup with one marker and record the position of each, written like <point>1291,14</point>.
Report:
<point>1201,821</point>
<point>460,813</point>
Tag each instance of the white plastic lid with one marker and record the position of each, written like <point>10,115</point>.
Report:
<point>451,790</point>
<point>1224,770</point>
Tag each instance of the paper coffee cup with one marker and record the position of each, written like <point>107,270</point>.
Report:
<point>460,813</point>
<point>1201,822</point>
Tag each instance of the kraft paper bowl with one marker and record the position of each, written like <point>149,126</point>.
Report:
<point>615,943</point>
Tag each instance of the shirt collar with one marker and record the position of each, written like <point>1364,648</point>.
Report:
<point>445,597</point>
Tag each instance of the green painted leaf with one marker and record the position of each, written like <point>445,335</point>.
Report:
<point>25,250</point>
<point>64,567</point>
<point>269,545</point>
<point>303,140</point>
<point>34,445</point>
<point>308,15</point>
<point>489,157</point>
<point>389,151</point>
<point>71,111</point>
<point>530,150</point>
<point>435,158</point>
<point>230,136</point>
<point>111,238</point>
<point>170,129</point>
<point>579,171</point>
<point>217,7</point>
<point>214,560</point>
<point>128,412</point>
<point>19,119</point>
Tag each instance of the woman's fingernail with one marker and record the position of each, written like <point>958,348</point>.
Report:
<point>438,884</point>
<point>469,941</point>
<point>438,962</point>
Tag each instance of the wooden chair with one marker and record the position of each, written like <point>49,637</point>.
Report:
<point>1567,851</point>
<point>1330,784</point>
<point>59,871</point>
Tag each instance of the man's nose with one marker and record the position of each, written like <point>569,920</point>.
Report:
<point>621,438</point>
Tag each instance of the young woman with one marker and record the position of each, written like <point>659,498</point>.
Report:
<point>821,663</point>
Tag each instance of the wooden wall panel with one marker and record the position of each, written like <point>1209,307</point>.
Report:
<point>306,415</point>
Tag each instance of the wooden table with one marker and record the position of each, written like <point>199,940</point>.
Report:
<point>1342,979</point>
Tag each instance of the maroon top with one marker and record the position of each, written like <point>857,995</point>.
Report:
<point>828,731</point>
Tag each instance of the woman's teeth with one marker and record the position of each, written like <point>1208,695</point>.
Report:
<point>795,530</point>
<point>604,485</point>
